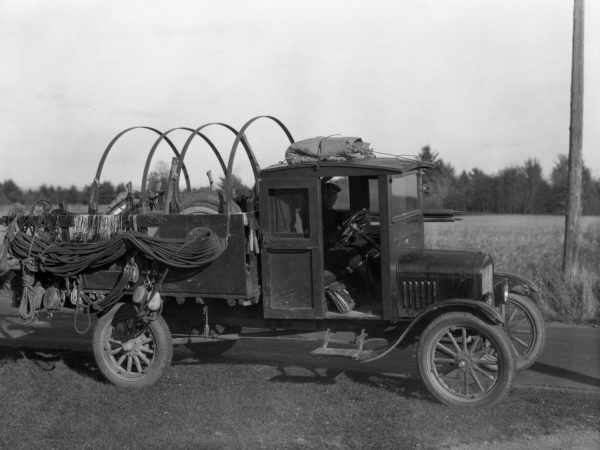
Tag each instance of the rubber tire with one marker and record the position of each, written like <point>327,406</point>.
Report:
<point>536,321</point>
<point>163,348</point>
<point>201,197</point>
<point>495,334</point>
<point>203,201</point>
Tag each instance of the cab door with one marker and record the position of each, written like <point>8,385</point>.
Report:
<point>292,264</point>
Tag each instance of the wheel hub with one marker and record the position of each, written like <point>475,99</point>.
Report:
<point>133,346</point>
<point>128,346</point>
<point>463,364</point>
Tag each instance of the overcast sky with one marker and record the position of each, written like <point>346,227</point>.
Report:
<point>486,83</point>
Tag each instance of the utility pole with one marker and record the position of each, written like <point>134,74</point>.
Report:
<point>575,141</point>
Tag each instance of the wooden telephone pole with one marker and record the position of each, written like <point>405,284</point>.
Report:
<point>575,142</point>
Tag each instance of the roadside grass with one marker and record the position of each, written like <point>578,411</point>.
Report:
<point>533,246</point>
<point>60,401</point>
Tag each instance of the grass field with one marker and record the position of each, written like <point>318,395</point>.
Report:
<point>533,246</point>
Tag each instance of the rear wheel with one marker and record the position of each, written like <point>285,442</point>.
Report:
<point>464,361</point>
<point>130,352</point>
<point>525,328</point>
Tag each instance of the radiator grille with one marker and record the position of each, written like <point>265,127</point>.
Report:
<point>418,294</point>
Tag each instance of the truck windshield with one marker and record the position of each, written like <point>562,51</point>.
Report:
<point>404,193</point>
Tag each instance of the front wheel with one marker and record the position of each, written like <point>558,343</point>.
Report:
<point>130,352</point>
<point>525,327</point>
<point>464,361</point>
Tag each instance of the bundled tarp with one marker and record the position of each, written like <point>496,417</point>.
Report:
<point>332,148</point>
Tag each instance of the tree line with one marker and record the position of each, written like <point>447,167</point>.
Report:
<point>518,189</point>
<point>10,194</point>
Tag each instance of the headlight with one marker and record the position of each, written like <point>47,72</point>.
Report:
<point>504,291</point>
<point>501,292</point>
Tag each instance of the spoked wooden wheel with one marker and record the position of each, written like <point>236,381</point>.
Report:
<point>130,352</point>
<point>465,361</point>
<point>525,328</point>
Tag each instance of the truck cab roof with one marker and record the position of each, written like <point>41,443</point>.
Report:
<point>361,166</point>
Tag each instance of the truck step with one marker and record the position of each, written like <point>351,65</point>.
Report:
<point>343,352</point>
<point>354,353</point>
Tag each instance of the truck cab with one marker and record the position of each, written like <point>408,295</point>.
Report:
<point>383,264</point>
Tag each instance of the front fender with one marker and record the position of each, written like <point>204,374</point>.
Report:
<point>478,308</point>
<point>519,284</point>
<point>482,310</point>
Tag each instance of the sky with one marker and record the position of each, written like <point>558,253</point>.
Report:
<point>485,83</point>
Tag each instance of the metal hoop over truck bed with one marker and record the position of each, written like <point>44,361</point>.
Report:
<point>273,266</point>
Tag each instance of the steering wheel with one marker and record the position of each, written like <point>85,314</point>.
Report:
<point>354,225</point>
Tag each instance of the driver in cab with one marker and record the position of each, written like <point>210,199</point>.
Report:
<point>336,251</point>
<point>340,257</point>
<point>332,219</point>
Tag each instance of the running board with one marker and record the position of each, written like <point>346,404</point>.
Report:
<point>343,352</point>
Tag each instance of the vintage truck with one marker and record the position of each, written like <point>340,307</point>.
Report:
<point>165,267</point>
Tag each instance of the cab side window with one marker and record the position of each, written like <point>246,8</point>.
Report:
<point>290,214</point>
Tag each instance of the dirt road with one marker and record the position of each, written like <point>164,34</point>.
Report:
<point>571,359</point>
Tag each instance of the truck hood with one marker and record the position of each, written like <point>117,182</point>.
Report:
<point>421,263</point>
<point>424,277</point>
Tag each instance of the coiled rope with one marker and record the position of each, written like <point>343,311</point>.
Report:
<point>81,308</point>
<point>27,307</point>
<point>70,259</point>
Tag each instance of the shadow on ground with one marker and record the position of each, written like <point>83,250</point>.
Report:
<point>559,372</point>
<point>317,372</point>
<point>309,370</point>
<point>47,359</point>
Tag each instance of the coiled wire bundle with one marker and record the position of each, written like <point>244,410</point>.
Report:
<point>62,259</point>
